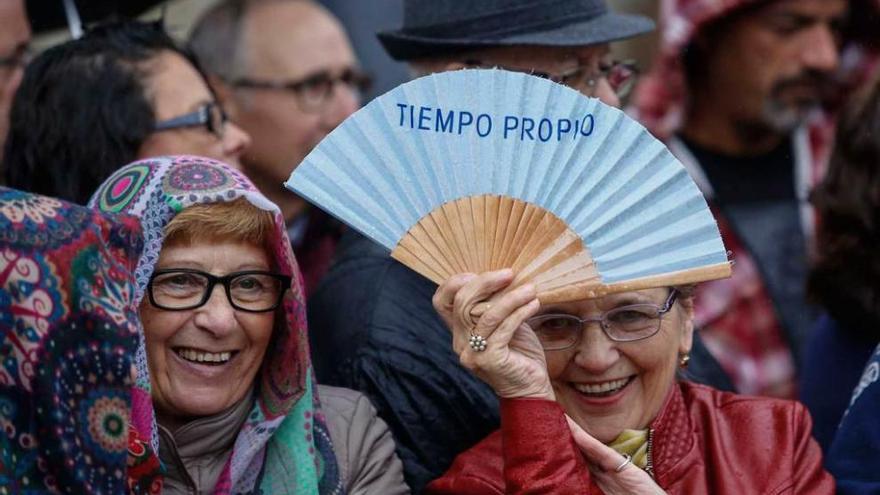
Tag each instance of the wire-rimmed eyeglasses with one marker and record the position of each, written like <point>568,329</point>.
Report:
<point>179,289</point>
<point>560,331</point>
<point>621,76</point>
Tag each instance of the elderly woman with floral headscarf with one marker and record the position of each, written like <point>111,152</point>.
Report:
<point>590,402</point>
<point>225,390</point>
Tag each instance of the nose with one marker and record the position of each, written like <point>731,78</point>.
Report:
<point>606,93</point>
<point>344,102</point>
<point>216,316</point>
<point>820,50</point>
<point>235,140</point>
<point>595,352</point>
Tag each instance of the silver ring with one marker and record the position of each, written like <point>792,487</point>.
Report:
<point>626,460</point>
<point>477,342</point>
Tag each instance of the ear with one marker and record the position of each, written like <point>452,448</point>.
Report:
<point>686,313</point>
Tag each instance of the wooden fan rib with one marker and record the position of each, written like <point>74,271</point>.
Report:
<point>493,204</point>
<point>417,263</point>
<point>419,242</point>
<point>567,246</point>
<point>478,210</point>
<point>543,234</point>
<point>436,232</point>
<point>517,210</point>
<point>681,277</point>
<point>521,229</point>
<point>505,207</point>
<point>468,233</point>
<point>453,236</point>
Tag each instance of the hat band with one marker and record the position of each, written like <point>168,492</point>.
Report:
<point>534,17</point>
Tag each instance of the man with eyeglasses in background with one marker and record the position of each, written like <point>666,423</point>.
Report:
<point>15,38</point>
<point>375,328</point>
<point>286,73</point>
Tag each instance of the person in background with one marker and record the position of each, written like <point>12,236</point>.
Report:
<point>287,74</point>
<point>15,37</point>
<point>123,91</point>
<point>735,92</point>
<point>379,333</point>
<point>224,378</point>
<point>845,277</point>
<point>852,458</point>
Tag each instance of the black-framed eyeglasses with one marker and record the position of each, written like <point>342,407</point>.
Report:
<point>179,289</point>
<point>313,92</point>
<point>210,115</point>
<point>623,324</point>
<point>620,74</point>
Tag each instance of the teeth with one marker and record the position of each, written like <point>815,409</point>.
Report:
<point>204,357</point>
<point>601,388</point>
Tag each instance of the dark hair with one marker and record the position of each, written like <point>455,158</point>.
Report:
<point>82,111</point>
<point>846,276</point>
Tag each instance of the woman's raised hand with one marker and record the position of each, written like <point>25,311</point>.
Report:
<point>613,473</point>
<point>489,335</point>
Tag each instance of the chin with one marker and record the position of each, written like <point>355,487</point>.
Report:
<point>200,404</point>
<point>786,117</point>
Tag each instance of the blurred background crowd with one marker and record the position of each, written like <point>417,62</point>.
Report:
<point>772,105</point>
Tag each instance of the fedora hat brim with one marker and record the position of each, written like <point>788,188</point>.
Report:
<point>605,28</point>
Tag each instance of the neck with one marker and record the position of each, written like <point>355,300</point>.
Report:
<point>709,126</point>
<point>290,204</point>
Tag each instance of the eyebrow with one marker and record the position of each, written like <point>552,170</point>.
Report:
<point>802,19</point>
<point>195,265</point>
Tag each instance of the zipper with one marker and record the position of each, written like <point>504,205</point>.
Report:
<point>649,467</point>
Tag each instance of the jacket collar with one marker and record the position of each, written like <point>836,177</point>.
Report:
<point>672,435</point>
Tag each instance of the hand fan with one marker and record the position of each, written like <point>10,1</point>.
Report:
<point>478,170</point>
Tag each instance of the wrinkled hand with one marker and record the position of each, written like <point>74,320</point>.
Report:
<point>603,461</point>
<point>513,362</point>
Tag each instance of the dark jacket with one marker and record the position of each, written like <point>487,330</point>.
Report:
<point>374,330</point>
<point>827,395</point>
<point>702,441</point>
<point>852,458</point>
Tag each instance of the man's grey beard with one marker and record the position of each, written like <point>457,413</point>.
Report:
<point>785,118</point>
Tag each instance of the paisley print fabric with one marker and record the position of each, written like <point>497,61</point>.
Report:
<point>68,331</point>
<point>283,447</point>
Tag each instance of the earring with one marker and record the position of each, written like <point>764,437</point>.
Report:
<point>684,360</point>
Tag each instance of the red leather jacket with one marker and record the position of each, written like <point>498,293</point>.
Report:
<point>703,441</point>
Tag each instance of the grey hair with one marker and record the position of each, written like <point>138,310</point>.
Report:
<point>215,39</point>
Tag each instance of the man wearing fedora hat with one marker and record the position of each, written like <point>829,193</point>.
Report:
<point>377,331</point>
<point>563,40</point>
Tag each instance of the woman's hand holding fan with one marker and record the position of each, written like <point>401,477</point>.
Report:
<point>612,476</point>
<point>513,361</point>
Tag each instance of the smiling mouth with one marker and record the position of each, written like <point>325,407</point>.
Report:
<point>603,389</point>
<point>202,357</point>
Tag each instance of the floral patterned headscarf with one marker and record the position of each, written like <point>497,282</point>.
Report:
<point>284,446</point>
<point>68,330</point>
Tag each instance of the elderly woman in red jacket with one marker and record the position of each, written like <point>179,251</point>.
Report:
<point>591,403</point>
